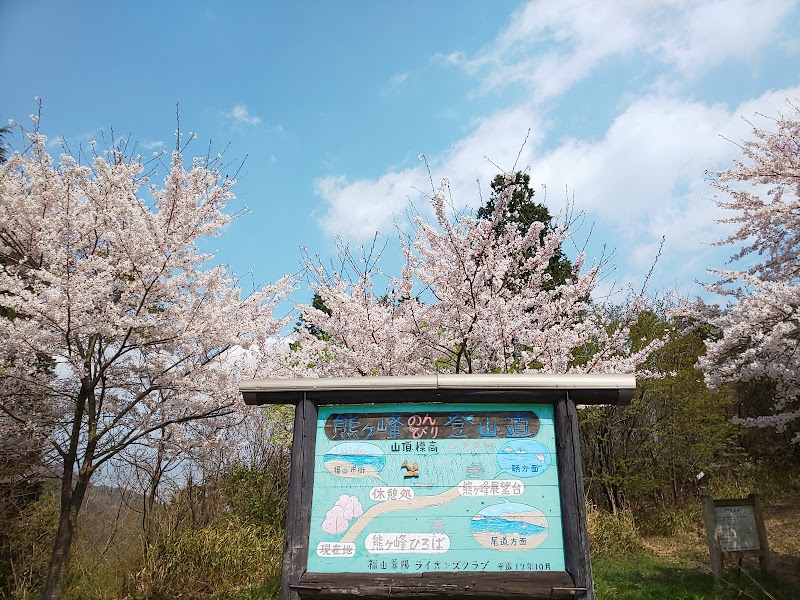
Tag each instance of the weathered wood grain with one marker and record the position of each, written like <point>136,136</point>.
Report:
<point>298,514</point>
<point>452,396</point>
<point>423,586</point>
<point>765,560</point>
<point>573,509</point>
<point>710,520</point>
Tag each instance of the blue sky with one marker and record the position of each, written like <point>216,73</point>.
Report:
<point>627,103</point>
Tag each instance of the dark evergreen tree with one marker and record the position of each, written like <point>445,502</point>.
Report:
<point>318,303</point>
<point>521,212</point>
<point>4,131</point>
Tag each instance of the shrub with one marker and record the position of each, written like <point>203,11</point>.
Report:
<point>26,539</point>
<point>669,520</point>
<point>611,533</point>
<point>258,497</point>
<point>215,561</point>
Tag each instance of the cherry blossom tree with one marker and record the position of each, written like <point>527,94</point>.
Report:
<point>118,331</point>
<point>471,297</point>
<point>759,332</point>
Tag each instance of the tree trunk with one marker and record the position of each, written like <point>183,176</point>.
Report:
<point>611,498</point>
<point>59,559</point>
<point>71,501</point>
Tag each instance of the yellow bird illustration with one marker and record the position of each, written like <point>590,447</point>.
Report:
<point>412,470</point>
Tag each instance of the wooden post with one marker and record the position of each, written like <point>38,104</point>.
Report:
<point>765,560</point>
<point>710,520</point>
<point>573,507</point>
<point>298,514</point>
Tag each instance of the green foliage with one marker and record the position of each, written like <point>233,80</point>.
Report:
<point>270,590</point>
<point>4,131</point>
<point>669,520</point>
<point>766,446</point>
<point>234,549</point>
<point>318,303</point>
<point>26,538</point>
<point>646,455</point>
<point>108,547</point>
<point>754,477</point>
<point>257,497</point>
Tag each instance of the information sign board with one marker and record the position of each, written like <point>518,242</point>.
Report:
<point>419,487</point>
<point>736,528</point>
<point>416,488</point>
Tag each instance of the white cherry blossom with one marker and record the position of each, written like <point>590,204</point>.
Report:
<point>467,300</point>
<point>760,330</point>
<point>115,327</point>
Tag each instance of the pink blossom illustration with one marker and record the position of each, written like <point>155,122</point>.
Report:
<point>350,505</point>
<point>334,522</point>
<point>337,519</point>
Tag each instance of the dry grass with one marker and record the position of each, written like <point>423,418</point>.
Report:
<point>611,534</point>
<point>781,519</point>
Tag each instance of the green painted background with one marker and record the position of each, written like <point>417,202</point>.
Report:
<point>502,531</point>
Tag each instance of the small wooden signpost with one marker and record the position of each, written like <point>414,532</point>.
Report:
<point>457,486</point>
<point>735,530</point>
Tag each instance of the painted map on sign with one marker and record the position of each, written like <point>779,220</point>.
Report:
<point>416,488</point>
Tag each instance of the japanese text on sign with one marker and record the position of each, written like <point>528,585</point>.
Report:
<point>431,426</point>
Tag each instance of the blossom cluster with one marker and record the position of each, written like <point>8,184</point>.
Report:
<point>116,330</point>
<point>337,519</point>
<point>471,297</point>
<point>759,332</point>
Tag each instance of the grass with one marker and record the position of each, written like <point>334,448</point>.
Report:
<point>645,576</point>
<point>270,590</point>
<point>675,565</point>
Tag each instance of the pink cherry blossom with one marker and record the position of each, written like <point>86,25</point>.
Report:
<point>118,332</point>
<point>466,300</point>
<point>335,521</point>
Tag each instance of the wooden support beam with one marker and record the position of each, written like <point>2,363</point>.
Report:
<point>573,506</point>
<point>298,514</point>
<point>436,586</point>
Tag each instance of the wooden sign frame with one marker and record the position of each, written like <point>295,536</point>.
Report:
<point>563,392</point>
<point>721,549</point>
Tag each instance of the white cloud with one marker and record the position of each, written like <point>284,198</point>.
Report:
<point>653,157</point>
<point>577,37</point>
<point>356,210</point>
<point>241,117</point>
<point>709,33</point>
<point>394,83</point>
<point>399,78</point>
<point>644,179</point>
<point>153,145</point>
<point>455,58</point>
<point>551,46</point>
